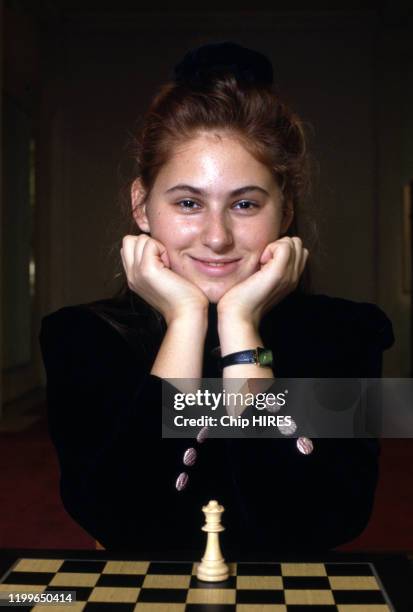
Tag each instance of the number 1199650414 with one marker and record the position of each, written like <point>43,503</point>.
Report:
<point>51,597</point>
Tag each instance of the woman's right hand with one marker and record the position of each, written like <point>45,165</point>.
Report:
<point>148,274</point>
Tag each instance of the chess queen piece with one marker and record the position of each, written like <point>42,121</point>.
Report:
<point>213,567</point>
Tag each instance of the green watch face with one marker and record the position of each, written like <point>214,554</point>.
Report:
<point>265,357</point>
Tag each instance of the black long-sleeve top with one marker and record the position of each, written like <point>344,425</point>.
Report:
<point>118,475</point>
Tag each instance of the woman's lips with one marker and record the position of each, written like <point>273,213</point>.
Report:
<point>222,269</point>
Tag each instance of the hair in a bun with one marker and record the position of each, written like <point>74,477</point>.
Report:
<point>203,65</point>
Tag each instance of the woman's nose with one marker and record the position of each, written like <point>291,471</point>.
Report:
<point>217,233</point>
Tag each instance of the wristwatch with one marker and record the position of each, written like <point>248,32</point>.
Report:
<point>259,356</point>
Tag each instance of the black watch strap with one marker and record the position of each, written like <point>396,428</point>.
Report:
<point>259,356</point>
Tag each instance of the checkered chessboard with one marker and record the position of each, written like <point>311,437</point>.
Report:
<point>123,586</point>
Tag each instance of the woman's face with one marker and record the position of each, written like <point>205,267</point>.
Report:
<point>215,208</point>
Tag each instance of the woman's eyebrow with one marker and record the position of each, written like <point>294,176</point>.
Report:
<point>202,192</point>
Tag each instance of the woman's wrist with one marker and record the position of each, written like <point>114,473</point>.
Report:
<point>227,317</point>
<point>193,318</point>
<point>237,335</point>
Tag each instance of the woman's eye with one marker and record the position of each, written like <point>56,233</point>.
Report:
<point>246,205</point>
<point>187,204</point>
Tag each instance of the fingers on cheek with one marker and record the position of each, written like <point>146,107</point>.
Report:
<point>289,252</point>
<point>125,262</point>
<point>298,255</point>
<point>128,248</point>
<point>165,259</point>
<point>282,259</point>
<point>292,259</point>
<point>304,259</point>
<point>298,261</point>
<point>268,252</point>
<point>295,254</point>
<point>127,255</point>
<point>137,255</point>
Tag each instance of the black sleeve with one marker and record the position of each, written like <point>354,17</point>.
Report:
<point>324,499</point>
<point>102,407</point>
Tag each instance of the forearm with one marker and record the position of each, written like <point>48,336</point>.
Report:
<point>180,354</point>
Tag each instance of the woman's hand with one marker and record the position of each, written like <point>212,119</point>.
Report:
<point>282,263</point>
<point>148,273</point>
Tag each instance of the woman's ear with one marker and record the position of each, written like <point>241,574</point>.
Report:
<point>138,195</point>
<point>288,216</point>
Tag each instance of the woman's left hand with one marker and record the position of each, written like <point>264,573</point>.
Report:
<point>282,263</point>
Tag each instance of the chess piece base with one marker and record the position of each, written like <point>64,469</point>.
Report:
<point>212,571</point>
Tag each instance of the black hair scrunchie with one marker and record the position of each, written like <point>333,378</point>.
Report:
<point>202,65</point>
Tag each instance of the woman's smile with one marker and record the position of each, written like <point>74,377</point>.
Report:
<point>215,267</point>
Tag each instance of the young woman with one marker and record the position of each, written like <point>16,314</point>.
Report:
<point>216,258</point>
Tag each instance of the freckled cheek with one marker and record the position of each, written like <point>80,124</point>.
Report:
<point>174,236</point>
<point>178,243</point>
<point>255,242</point>
<point>182,241</point>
